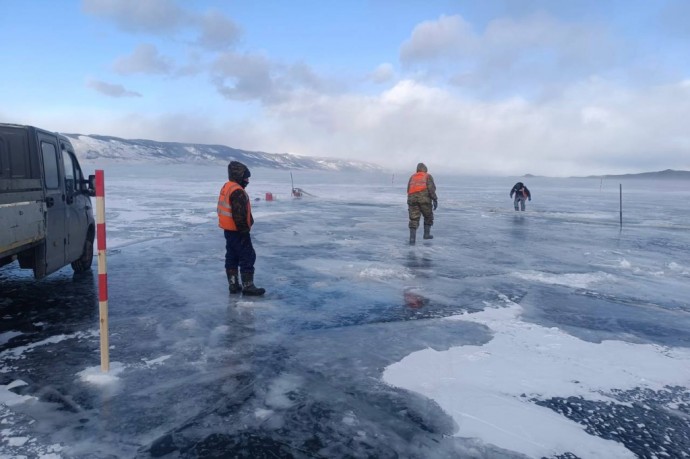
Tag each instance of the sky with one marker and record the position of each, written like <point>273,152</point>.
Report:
<point>497,87</point>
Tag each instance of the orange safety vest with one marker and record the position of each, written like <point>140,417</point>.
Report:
<point>417,183</point>
<point>224,209</point>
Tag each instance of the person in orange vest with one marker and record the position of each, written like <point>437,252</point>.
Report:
<point>235,218</point>
<point>521,194</point>
<point>421,200</point>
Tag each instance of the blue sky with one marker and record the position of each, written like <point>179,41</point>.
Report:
<point>491,87</point>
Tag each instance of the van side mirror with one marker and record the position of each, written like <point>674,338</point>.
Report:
<point>91,185</point>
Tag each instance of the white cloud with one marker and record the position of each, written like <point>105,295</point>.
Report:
<point>150,16</point>
<point>598,116</point>
<point>144,59</point>
<point>110,89</point>
<point>408,92</point>
<point>592,128</point>
<point>218,32</point>
<point>245,76</point>
<point>448,36</point>
<point>382,74</point>
<point>215,30</point>
<point>533,53</point>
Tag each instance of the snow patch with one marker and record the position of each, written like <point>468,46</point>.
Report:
<point>7,336</point>
<point>18,352</point>
<point>385,273</point>
<point>9,398</point>
<point>262,413</point>
<point>487,389</point>
<point>679,269</point>
<point>157,361</point>
<point>576,280</point>
<point>278,395</point>
<point>96,377</point>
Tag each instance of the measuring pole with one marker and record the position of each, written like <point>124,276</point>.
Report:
<point>102,271</point>
<point>620,188</point>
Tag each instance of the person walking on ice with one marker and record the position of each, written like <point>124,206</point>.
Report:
<point>521,194</point>
<point>421,201</point>
<point>235,218</point>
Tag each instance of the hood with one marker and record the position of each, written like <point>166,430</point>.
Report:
<point>238,172</point>
<point>421,167</point>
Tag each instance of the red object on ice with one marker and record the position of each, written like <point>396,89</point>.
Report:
<point>269,196</point>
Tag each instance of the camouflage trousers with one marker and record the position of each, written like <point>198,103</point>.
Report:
<point>519,201</point>
<point>417,208</point>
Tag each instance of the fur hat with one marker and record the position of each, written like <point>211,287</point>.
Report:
<point>238,172</point>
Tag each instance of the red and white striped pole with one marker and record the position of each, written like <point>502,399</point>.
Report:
<point>102,271</point>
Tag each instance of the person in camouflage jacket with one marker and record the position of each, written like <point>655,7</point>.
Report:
<point>421,201</point>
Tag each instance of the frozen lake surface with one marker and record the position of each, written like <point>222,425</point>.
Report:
<point>546,333</point>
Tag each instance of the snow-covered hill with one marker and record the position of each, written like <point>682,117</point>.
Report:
<point>96,149</point>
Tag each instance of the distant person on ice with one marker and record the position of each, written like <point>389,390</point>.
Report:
<point>421,200</point>
<point>235,217</point>
<point>521,195</point>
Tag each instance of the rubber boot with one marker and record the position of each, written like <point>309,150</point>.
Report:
<point>248,287</point>
<point>413,235</point>
<point>233,280</point>
<point>427,232</point>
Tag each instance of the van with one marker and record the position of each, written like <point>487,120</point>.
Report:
<point>46,214</point>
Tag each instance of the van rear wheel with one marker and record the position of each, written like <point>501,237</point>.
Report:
<point>83,263</point>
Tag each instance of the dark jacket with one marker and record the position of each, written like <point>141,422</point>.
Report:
<point>239,173</point>
<point>516,189</point>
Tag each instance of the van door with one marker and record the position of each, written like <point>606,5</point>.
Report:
<point>76,202</point>
<point>56,237</point>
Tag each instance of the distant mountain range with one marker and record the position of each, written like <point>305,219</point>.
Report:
<point>668,174</point>
<point>92,149</point>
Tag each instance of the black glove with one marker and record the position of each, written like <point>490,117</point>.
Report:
<point>530,199</point>
<point>435,203</point>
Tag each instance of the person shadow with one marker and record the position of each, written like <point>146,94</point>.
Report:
<point>419,264</point>
<point>518,229</point>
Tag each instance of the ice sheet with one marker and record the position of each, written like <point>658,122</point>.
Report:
<point>506,323</point>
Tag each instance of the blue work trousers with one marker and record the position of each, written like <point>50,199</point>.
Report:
<point>239,251</point>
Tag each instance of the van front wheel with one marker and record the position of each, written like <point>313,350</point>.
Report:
<point>83,263</point>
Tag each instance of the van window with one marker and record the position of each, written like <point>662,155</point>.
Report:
<point>78,174</point>
<point>14,160</point>
<point>69,172</point>
<point>50,165</point>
